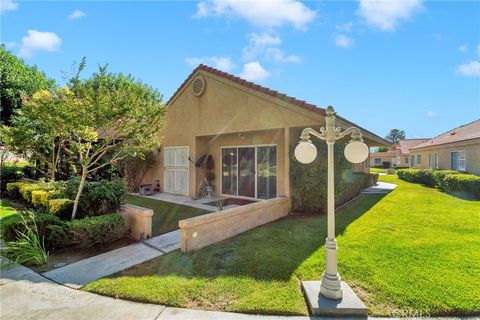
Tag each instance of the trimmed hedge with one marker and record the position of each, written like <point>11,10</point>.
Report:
<point>445,180</point>
<point>309,181</point>
<point>58,234</point>
<point>13,189</point>
<point>40,198</point>
<point>61,208</point>
<point>27,189</point>
<point>98,197</point>
<point>87,232</point>
<point>468,184</point>
<point>9,173</point>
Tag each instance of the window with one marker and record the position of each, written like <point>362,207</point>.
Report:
<point>458,160</point>
<point>378,161</point>
<point>419,159</point>
<point>430,161</point>
<point>436,160</point>
<point>406,160</point>
<point>412,161</point>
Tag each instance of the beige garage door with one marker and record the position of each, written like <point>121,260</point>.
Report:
<point>175,177</point>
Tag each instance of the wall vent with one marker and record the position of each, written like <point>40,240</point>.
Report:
<point>198,86</point>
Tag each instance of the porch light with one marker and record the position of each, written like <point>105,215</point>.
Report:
<point>356,151</point>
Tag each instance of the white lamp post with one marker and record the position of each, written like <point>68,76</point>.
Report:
<point>356,152</point>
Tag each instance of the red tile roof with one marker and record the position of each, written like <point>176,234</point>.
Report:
<point>265,90</point>
<point>406,144</point>
<point>466,132</point>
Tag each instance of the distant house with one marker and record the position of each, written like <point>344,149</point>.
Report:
<point>456,149</point>
<point>397,156</point>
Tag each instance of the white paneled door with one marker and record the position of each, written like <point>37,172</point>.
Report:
<point>175,175</point>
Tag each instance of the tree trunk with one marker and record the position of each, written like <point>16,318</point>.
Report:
<point>79,192</point>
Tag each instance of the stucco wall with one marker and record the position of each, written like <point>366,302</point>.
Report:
<point>472,155</point>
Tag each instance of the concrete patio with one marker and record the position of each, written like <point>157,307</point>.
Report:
<point>184,200</point>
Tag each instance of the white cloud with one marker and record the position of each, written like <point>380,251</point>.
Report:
<point>253,71</point>
<point>76,14</point>
<point>346,27</point>
<point>265,46</point>
<point>343,41</point>
<point>471,69</point>
<point>39,41</point>
<point>431,114</point>
<point>463,48</point>
<point>221,63</point>
<point>8,5</point>
<point>260,13</point>
<point>387,14</point>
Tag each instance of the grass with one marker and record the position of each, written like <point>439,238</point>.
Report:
<point>165,214</point>
<point>411,252</point>
<point>6,209</point>
<point>378,170</point>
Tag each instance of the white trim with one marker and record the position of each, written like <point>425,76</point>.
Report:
<point>255,146</point>
<point>464,159</point>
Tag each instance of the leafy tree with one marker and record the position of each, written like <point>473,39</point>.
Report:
<point>395,135</point>
<point>382,149</point>
<point>16,80</point>
<point>111,116</point>
<point>39,131</point>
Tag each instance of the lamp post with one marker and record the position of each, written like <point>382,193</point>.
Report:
<point>356,152</point>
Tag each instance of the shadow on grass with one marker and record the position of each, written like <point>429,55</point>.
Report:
<point>270,252</point>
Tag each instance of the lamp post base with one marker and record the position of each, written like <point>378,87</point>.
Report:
<point>331,286</point>
<point>349,306</point>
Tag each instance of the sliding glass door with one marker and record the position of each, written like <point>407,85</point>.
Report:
<point>250,171</point>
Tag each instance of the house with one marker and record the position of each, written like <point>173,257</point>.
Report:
<point>456,149</point>
<point>248,130</point>
<point>397,156</point>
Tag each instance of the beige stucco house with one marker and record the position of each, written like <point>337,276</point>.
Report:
<point>248,129</point>
<point>397,156</point>
<point>456,149</point>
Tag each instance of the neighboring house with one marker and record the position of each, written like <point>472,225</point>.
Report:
<point>456,149</point>
<point>397,156</point>
<point>248,129</point>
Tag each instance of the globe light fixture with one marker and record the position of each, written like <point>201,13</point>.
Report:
<point>356,152</point>
<point>305,152</point>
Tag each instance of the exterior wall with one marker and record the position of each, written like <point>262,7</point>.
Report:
<point>472,155</point>
<point>201,231</point>
<point>138,220</point>
<point>385,156</point>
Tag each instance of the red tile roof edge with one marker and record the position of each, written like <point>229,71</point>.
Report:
<point>265,90</point>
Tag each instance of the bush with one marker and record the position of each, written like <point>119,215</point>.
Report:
<point>423,176</point>
<point>439,176</point>
<point>87,232</point>
<point>9,173</point>
<point>468,184</point>
<point>13,189</point>
<point>32,172</point>
<point>27,189</point>
<point>309,182</point>
<point>61,208</point>
<point>98,197</point>
<point>40,198</point>
<point>50,228</point>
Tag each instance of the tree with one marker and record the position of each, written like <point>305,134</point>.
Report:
<point>382,149</point>
<point>39,131</point>
<point>110,117</point>
<point>16,81</point>
<point>395,135</point>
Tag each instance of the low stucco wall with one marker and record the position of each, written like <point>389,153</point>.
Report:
<point>201,231</point>
<point>138,220</point>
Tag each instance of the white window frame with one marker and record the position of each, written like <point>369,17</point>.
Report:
<point>379,162</point>
<point>419,159</point>
<point>436,161</point>
<point>464,159</point>
<point>430,161</point>
<point>247,146</point>
<point>407,160</point>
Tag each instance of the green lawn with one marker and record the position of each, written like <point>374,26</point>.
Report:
<point>6,209</point>
<point>412,252</point>
<point>165,214</point>
<point>378,170</point>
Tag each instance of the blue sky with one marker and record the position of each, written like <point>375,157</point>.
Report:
<point>413,65</point>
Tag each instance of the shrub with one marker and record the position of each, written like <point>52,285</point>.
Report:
<point>439,176</point>
<point>92,230</point>
<point>98,197</point>
<point>27,189</point>
<point>9,173</point>
<point>29,246</point>
<point>40,198</point>
<point>13,189</point>
<point>468,184</point>
<point>61,208</point>
<point>423,176</point>
<point>49,227</point>
<point>309,182</point>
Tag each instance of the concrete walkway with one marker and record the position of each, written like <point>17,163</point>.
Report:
<point>78,274</point>
<point>380,188</point>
